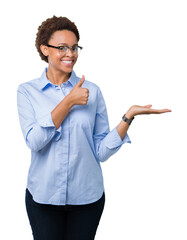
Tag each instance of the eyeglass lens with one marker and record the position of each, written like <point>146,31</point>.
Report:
<point>65,49</point>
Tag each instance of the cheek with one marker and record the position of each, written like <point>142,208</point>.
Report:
<point>53,59</point>
<point>75,60</point>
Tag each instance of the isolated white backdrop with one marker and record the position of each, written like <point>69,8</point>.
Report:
<point>136,51</point>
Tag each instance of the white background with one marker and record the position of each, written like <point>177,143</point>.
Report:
<point>136,51</point>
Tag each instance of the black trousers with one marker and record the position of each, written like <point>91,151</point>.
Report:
<point>69,222</point>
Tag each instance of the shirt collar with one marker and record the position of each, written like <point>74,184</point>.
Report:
<point>73,79</point>
<point>44,81</point>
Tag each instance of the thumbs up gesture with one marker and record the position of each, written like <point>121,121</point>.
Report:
<point>79,95</point>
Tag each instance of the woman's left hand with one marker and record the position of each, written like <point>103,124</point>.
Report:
<point>139,110</point>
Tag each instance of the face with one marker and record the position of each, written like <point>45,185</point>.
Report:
<point>56,60</point>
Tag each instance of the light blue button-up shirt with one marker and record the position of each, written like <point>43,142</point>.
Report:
<point>65,162</point>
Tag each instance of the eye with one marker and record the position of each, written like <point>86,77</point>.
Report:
<point>63,48</point>
<point>75,48</point>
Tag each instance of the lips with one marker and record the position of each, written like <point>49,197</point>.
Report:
<point>68,63</point>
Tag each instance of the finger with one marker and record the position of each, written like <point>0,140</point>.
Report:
<point>148,106</point>
<point>79,84</point>
<point>86,91</point>
<point>164,110</point>
<point>157,111</point>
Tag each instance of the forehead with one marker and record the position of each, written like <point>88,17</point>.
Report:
<point>63,36</point>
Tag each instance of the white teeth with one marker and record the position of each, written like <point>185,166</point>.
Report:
<point>68,62</point>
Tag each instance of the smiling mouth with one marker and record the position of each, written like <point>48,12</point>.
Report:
<point>67,62</point>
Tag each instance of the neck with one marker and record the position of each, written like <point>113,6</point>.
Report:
<point>57,77</point>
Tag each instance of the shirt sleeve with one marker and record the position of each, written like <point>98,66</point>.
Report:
<point>37,132</point>
<point>106,142</point>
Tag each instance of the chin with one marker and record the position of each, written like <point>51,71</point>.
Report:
<point>69,70</point>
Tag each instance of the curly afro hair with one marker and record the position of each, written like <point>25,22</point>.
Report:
<point>48,27</point>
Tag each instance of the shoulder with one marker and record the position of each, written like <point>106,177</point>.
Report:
<point>28,84</point>
<point>95,92</point>
<point>29,87</point>
<point>90,85</point>
<point>34,84</point>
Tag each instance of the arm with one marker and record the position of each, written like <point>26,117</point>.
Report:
<point>77,96</point>
<point>39,132</point>
<point>109,142</point>
<point>106,142</point>
<point>134,111</point>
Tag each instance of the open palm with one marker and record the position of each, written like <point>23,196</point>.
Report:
<point>138,110</point>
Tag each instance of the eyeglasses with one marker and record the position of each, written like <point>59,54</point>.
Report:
<point>63,50</point>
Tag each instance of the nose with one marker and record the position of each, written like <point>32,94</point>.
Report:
<point>69,52</point>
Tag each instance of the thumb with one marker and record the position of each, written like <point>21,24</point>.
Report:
<point>148,106</point>
<point>79,84</point>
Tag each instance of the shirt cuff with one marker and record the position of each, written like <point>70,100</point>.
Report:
<point>47,121</point>
<point>114,140</point>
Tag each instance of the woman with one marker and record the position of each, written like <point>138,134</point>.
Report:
<point>64,122</point>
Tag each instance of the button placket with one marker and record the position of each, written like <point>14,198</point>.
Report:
<point>62,176</point>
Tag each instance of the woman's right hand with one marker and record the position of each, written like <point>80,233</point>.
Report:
<point>79,95</point>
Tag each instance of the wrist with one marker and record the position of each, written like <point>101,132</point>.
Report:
<point>127,120</point>
<point>69,101</point>
<point>129,114</point>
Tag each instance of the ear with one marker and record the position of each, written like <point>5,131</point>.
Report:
<point>44,50</point>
